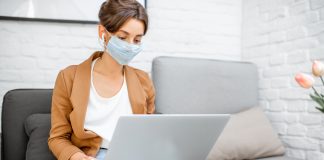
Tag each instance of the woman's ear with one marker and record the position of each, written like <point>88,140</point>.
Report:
<point>99,31</point>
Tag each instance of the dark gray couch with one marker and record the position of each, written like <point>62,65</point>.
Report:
<point>183,85</point>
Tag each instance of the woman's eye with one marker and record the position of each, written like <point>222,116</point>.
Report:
<point>122,38</point>
<point>137,41</point>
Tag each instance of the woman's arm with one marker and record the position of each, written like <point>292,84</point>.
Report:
<point>59,140</point>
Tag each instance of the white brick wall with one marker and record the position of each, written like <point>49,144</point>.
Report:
<point>282,37</point>
<point>191,28</point>
<point>32,53</point>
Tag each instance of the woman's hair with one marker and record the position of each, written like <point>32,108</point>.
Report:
<point>114,13</point>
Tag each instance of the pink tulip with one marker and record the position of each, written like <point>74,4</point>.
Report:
<point>304,80</point>
<point>318,68</point>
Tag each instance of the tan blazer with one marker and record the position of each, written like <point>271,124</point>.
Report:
<point>69,105</point>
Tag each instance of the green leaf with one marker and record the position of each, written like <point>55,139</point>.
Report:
<point>318,100</point>
<point>320,109</point>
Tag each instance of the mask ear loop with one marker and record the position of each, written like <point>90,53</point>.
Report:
<point>101,41</point>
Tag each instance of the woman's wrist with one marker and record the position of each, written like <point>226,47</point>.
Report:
<point>78,156</point>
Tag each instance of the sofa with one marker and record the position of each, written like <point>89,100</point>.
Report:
<point>183,86</point>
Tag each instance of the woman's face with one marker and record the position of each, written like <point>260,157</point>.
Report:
<point>131,31</point>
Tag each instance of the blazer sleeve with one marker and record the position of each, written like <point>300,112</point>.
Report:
<point>59,140</point>
<point>151,97</point>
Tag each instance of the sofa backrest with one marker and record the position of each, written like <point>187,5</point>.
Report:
<point>194,85</point>
<point>17,106</point>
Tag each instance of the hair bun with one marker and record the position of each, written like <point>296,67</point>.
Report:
<point>114,13</point>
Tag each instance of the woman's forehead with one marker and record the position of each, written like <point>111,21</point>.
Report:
<point>132,27</point>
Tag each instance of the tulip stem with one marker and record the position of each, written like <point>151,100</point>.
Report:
<point>322,80</point>
<point>316,91</point>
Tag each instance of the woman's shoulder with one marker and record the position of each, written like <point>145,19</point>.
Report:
<point>144,79</point>
<point>140,73</point>
<point>67,74</point>
<point>69,71</point>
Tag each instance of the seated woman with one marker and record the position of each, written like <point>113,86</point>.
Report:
<point>89,98</point>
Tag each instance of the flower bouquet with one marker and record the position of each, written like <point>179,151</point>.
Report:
<point>307,81</point>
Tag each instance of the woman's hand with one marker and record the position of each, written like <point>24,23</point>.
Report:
<point>81,156</point>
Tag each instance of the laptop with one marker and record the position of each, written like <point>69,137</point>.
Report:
<point>165,137</point>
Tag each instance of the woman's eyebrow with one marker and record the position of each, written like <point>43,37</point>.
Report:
<point>124,32</point>
<point>128,33</point>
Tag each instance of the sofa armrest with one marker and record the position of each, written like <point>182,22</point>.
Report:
<point>17,105</point>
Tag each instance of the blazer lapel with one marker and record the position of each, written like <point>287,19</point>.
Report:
<point>80,95</point>
<point>136,92</point>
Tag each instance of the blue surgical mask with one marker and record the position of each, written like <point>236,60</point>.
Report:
<point>122,51</point>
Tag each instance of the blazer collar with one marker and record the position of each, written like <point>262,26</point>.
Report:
<point>81,89</point>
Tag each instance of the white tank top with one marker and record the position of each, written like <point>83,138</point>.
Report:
<point>103,113</point>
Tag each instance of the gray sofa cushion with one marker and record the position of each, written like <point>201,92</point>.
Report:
<point>191,85</point>
<point>37,127</point>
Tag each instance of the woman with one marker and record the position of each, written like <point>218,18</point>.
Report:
<point>89,98</point>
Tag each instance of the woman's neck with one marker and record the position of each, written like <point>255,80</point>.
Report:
<point>107,66</point>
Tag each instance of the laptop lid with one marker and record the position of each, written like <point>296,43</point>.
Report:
<point>161,137</point>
